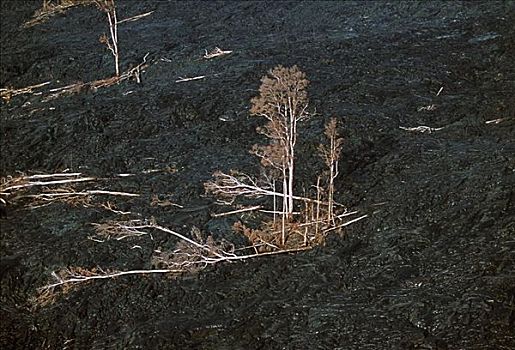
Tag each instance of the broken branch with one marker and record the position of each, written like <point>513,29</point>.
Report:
<point>216,52</point>
<point>181,79</point>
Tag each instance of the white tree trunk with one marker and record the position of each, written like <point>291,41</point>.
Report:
<point>113,28</point>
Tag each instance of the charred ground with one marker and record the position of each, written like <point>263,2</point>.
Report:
<point>431,267</point>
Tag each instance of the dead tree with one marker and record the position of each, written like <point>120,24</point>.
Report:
<point>331,154</point>
<point>283,102</point>
<point>109,7</point>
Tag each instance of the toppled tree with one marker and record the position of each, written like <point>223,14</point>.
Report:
<point>283,102</point>
<point>331,155</point>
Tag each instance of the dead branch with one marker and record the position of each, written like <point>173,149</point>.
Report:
<point>155,201</point>
<point>79,278</point>
<point>431,107</point>
<point>23,179</point>
<point>77,88</point>
<point>188,256</point>
<point>8,93</point>
<point>119,230</point>
<point>231,186</point>
<point>236,211</point>
<point>9,188</point>
<point>325,221</point>
<point>216,52</point>
<point>181,79</point>
<point>112,208</point>
<point>50,9</point>
<point>82,193</point>
<point>345,224</point>
<point>421,128</point>
<point>135,18</point>
<point>69,276</point>
<point>276,212</point>
<point>5,191</point>
<point>134,72</point>
<point>346,214</point>
<point>46,176</point>
<point>494,121</point>
<point>184,238</point>
<point>251,256</point>
<point>71,197</point>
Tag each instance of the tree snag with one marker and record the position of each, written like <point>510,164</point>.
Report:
<point>331,154</point>
<point>283,102</point>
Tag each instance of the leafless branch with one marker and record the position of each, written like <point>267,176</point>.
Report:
<point>240,184</point>
<point>72,277</point>
<point>181,79</point>
<point>494,121</point>
<point>135,18</point>
<point>421,129</point>
<point>81,193</point>
<point>79,275</point>
<point>216,52</point>
<point>5,190</point>
<point>50,9</point>
<point>345,224</point>
<point>236,211</point>
<point>8,93</point>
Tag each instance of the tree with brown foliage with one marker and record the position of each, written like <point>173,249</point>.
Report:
<point>331,155</point>
<point>283,102</point>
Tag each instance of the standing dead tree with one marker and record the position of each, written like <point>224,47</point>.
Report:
<point>51,8</point>
<point>331,154</point>
<point>109,7</point>
<point>283,102</point>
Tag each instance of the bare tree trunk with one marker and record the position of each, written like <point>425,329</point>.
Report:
<point>113,28</point>
<point>306,218</point>
<point>290,188</point>
<point>286,200</point>
<point>275,201</point>
<point>291,153</point>
<point>283,109</point>
<point>318,206</point>
<point>285,208</point>
<point>331,155</point>
<point>330,193</point>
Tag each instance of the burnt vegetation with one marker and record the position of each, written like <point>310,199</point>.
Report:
<point>283,103</point>
<point>249,175</point>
